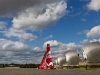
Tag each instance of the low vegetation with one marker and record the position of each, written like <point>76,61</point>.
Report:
<point>30,65</point>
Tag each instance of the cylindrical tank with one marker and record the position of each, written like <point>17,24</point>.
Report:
<point>56,62</point>
<point>91,52</point>
<point>61,60</point>
<point>72,58</point>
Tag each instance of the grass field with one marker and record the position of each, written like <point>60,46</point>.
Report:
<point>34,71</point>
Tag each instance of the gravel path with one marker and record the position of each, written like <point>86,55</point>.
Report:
<point>32,71</point>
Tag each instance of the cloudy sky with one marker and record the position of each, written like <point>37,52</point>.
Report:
<point>26,26</point>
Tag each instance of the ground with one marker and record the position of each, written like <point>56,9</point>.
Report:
<point>34,71</point>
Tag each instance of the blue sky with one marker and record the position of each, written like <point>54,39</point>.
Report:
<point>26,27</point>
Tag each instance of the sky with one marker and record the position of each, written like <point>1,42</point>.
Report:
<point>27,26</point>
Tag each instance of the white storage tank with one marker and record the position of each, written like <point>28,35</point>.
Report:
<point>91,52</point>
<point>61,60</point>
<point>72,58</point>
<point>56,62</point>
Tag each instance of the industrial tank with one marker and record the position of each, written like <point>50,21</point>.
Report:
<point>56,62</point>
<point>72,58</point>
<point>61,60</point>
<point>91,52</point>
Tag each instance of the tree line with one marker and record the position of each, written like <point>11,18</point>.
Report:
<point>27,65</point>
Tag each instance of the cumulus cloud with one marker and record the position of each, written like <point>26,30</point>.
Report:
<point>10,51</point>
<point>28,36</point>
<point>95,40</point>
<point>84,41</point>
<point>94,32</point>
<point>36,49</point>
<point>55,43</point>
<point>41,16</point>
<point>52,43</point>
<point>83,32</point>
<point>20,34</point>
<point>17,52</point>
<point>94,5</point>
<point>31,15</point>
<point>13,7</point>
<point>51,36</point>
<point>13,46</point>
<point>59,48</point>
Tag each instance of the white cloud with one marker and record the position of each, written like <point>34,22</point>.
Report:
<point>16,6</point>
<point>51,36</point>
<point>36,48</point>
<point>17,52</point>
<point>10,51</point>
<point>94,32</point>
<point>35,17</point>
<point>73,46</point>
<point>28,36</point>
<point>8,45</point>
<point>84,41</point>
<point>94,5</point>
<point>13,32</point>
<point>83,32</point>
<point>52,43</point>
<point>2,25</point>
<point>83,20</point>
<point>20,34</point>
<point>58,48</point>
<point>95,40</point>
<point>41,16</point>
<point>55,43</point>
